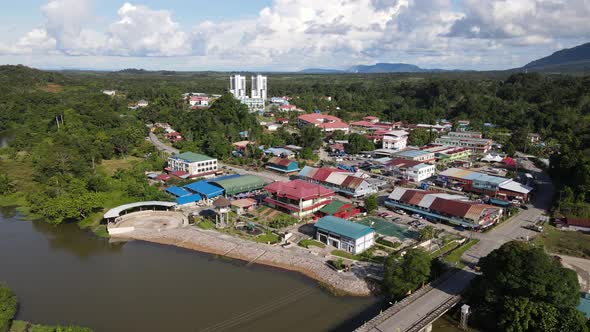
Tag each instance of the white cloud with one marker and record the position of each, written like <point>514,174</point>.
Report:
<point>294,34</point>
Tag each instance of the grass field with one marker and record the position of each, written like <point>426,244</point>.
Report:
<point>564,242</point>
<point>310,242</point>
<point>111,166</point>
<point>455,256</point>
<point>267,238</point>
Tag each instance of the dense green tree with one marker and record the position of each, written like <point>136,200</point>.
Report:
<point>523,289</point>
<point>420,137</point>
<point>404,274</point>
<point>358,143</point>
<point>371,203</point>
<point>6,184</point>
<point>7,307</point>
<point>311,137</point>
<point>427,233</point>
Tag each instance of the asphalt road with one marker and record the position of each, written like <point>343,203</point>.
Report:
<point>512,229</point>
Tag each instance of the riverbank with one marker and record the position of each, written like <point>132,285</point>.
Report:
<point>294,259</point>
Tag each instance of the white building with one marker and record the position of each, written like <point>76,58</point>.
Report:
<point>253,104</point>
<point>258,87</point>
<point>395,140</point>
<point>237,86</point>
<point>344,235</point>
<point>420,172</point>
<point>192,163</point>
<point>109,92</point>
<point>409,169</point>
<point>142,103</point>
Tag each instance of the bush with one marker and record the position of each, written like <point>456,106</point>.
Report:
<point>282,221</point>
<point>338,264</point>
<point>387,243</point>
<point>7,307</point>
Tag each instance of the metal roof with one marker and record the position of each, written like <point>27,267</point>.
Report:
<point>240,184</point>
<point>177,191</point>
<point>333,207</point>
<point>412,153</point>
<point>116,211</point>
<point>204,188</point>
<point>343,227</point>
<point>192,157</point>
<point>516,187</point>
<point>188,199</point>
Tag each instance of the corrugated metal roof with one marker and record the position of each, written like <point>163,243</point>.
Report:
<point>114,212</point>
<point>240,184</point>
<point>177,191</point>
<point>397,193</point>
<point>188,199</point>
<point>343,227</point>
<point>352,182</point>
<point>337,178</point>
<point>204,188</point>
<point>450,207</point>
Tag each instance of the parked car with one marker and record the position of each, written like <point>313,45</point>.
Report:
<point>457,188</point>
<point>524,207</point>
<point>417,216</point>
<point>396,219</point>
<point>402,212</point>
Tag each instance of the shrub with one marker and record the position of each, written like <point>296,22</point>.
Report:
<point>7,307</point>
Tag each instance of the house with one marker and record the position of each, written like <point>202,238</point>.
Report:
<point>282,120</point>
<point>494,186</point>
<point>279,100</point>
<point>241,145</point>
<point>272,126</point>
<point>339,180</point>
<point>297,197</point>
<point>467,139</point>
<point>280,152</point>
<point>344,235</point>
<point>193,163</point>
<point>198,101</point>
<point>243,205</point>
<point>415,155</point>
<point>455,209</point>
<point>142,103</point>
<point>287,108</point>
<point>109,92</point>
<point>282,165</point>
<point>173,136</point>
<point>339,209</point>
<point>327,123</point>
<point>534,138</point>
<point>395,140</point>
<point>409,169</point>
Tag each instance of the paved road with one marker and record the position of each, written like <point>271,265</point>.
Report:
<point>161,146</point>
<point>510,230</point>
<point>269,176</point>
<point>582,268</point>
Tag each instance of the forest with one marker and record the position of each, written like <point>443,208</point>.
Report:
<point>68,137</point>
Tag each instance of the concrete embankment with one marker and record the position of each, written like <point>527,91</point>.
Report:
<point>294,259</point>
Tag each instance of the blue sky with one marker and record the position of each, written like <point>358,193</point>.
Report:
<point>287,34</point>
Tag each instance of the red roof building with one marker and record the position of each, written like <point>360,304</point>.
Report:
<point>326,122</point>
<point>287,108</point>
<point>578,224</point>
<point>282,120</point>
<point>298,198</point>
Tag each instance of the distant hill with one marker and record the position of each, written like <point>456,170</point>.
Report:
<point>373,69</point>
<point>575,59</point>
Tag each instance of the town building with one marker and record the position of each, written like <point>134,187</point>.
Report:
<point>344,235</point>
<point>283,165</point>
<point>409,169</point>
<point>280,152</point>
<point>339,209</point>
<point>258,87</point>
<point>327,123</point>
<point>454,209</point>
<point>287,108</point>
<point>466,139</point>
<point>279,100</point>
<point>493,186</point>
<point>415,155</point>
<point>445,154</point>
<point>297,197</point>
<point>272,126</point>
<point>341,181</point>
<point>575,224</point>
<point>173,136</point>
<point>109,92</point>
<point>254,104</point>
<point>193,163</point>
<point>242,206</point>
<point>199,101</point>
<point>395,140</point>
<point>237,85</point>
<point>142,103</point>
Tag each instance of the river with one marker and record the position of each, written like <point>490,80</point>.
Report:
<point>65,275</point>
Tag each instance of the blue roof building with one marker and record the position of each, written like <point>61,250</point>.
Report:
<point>205,189</point>
<point>344,235</point>
<point>177,191</point>
<point>190,199</point>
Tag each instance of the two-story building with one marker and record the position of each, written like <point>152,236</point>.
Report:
<point>298,198</point>
<point>194,164</point>
<point>344,235</point>
<point>341,181</point>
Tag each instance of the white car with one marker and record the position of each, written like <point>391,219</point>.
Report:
<point>402,212</point>
<point>457,188</point>
<point>417,216</point>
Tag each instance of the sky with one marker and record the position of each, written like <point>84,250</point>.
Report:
<point>287,35</point>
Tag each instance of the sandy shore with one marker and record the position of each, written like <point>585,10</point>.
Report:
<point>294,259</point>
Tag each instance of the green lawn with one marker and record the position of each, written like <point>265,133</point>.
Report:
<point>345,254</point>
<point>446,248</point>
<point>206,224</point>
<point>310,242</point>
<point>455,256</point>
<point>267,238</point>
<point>564,242</point>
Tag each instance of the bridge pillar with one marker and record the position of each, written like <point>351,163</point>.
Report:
<point>427,328</point>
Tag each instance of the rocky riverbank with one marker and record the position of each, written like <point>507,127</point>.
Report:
<point>294,259</point>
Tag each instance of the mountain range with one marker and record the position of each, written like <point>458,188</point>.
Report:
<point>575,59</point>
